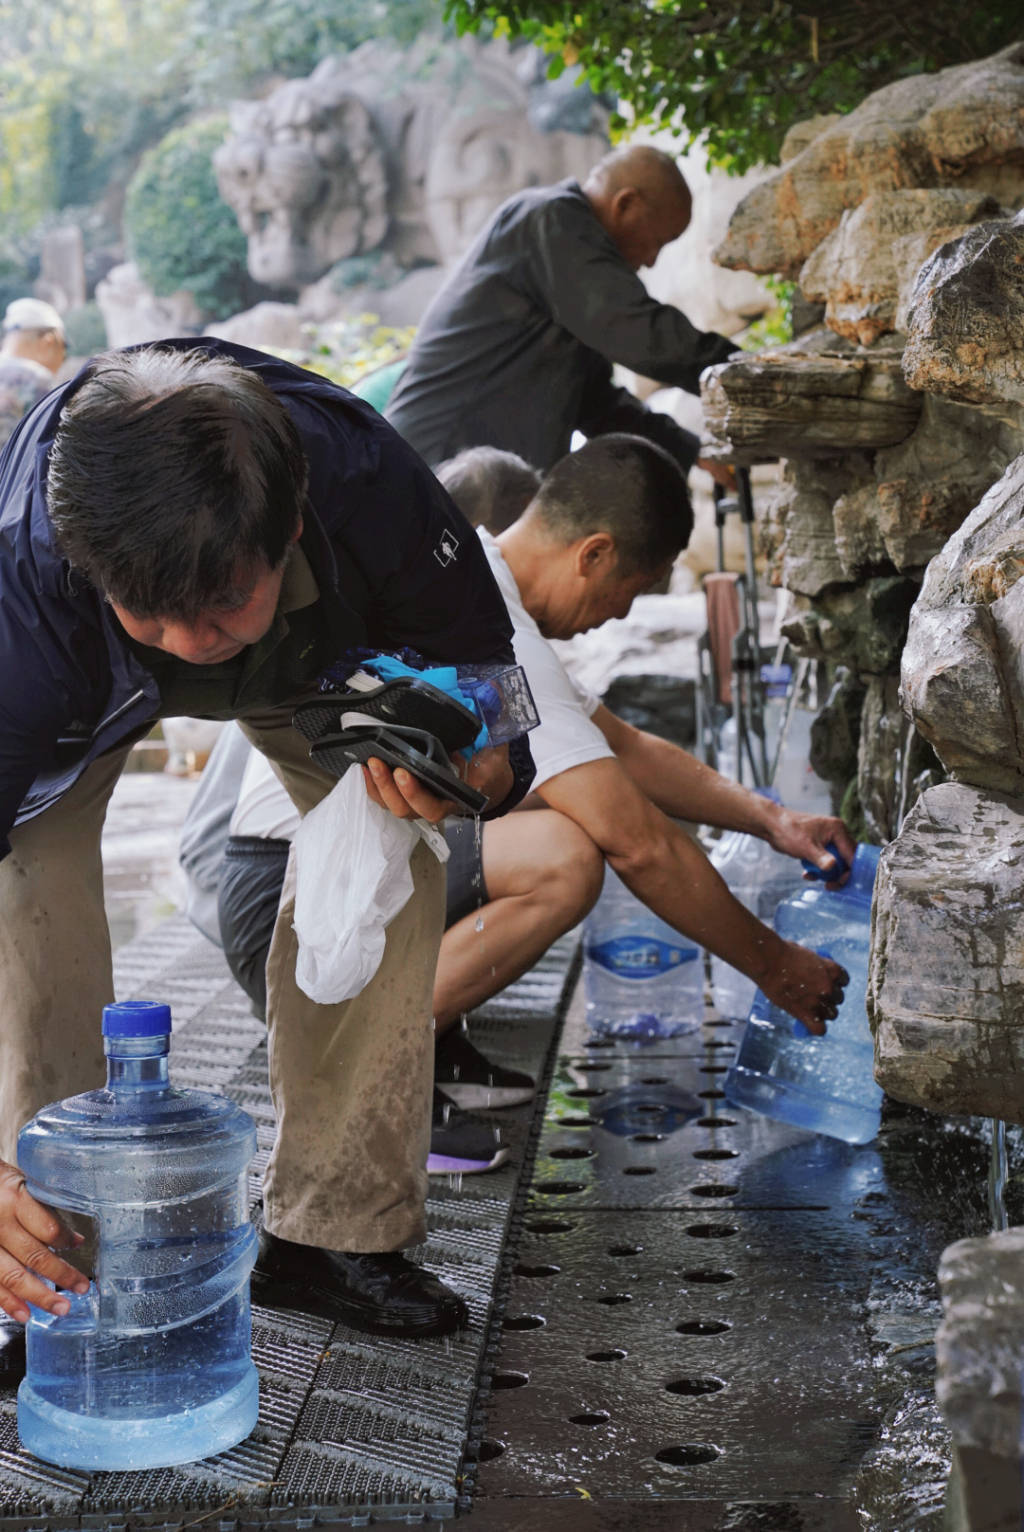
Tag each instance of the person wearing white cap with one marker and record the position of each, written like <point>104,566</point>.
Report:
<point>31,353</point>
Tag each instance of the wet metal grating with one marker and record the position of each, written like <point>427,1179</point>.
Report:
<point>352,1429</point>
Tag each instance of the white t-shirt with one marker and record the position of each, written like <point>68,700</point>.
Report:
<point>566,736</point>
<point>263,807</point>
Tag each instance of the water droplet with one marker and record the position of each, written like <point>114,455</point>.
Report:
<point>479,923</point>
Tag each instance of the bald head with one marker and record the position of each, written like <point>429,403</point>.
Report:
<point>640,197</point>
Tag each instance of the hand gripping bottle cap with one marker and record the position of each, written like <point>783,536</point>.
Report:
<point>136,1018</point>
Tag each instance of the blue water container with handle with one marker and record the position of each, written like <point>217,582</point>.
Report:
<point>152,1365</point>
<point>825,1084</point>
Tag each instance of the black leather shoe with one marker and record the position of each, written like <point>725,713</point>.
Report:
<point>381,1293</point>
<point>12,1352</point>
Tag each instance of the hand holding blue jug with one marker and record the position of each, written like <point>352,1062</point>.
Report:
<point>823,1083</point>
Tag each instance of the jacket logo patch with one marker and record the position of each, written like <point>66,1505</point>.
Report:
<point>447,549</point>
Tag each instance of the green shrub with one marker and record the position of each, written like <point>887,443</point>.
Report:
<point>180,232</point>
<point>85,329</point>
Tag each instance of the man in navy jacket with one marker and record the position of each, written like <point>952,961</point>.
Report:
<point>194,528</point>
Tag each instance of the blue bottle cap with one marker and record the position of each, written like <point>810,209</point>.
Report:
<point>136,1018</point>
<point>833,872</point>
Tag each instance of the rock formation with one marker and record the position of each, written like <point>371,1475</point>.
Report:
<point>978,1356</point>
<point>897,416</point>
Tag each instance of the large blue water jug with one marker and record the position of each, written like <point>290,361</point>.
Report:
<point>152,1365</point>
<point>825,1083</point>
<point>642,979</point>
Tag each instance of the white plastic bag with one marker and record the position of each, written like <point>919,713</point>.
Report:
<point>352,878</point>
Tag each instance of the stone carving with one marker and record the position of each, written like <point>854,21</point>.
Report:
<point>376,147</point>
<point>964,125</point>
<point>947,971</point>
<point>965,318</point>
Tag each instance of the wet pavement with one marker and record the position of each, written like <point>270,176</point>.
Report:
<point>683,1316</point>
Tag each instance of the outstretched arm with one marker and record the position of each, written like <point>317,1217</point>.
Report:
<point>686,788</point>
<point>660,863</point>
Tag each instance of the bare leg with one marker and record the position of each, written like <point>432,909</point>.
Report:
<point>543,873</point>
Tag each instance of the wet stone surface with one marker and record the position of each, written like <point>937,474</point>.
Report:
<point>748,1326</point>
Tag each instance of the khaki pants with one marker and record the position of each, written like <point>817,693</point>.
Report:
<point>351,1082</point>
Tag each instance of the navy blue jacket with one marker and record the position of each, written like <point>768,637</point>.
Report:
<point>395,561</point>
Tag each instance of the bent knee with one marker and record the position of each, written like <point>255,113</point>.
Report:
<point>575,871</point>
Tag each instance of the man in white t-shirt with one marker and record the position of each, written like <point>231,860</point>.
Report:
<point>605,525</point>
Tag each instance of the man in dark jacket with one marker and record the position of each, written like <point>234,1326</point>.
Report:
<point>194,528</point>
<point>516,350</point>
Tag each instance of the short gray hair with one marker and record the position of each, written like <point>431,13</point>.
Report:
<point>491,488</point>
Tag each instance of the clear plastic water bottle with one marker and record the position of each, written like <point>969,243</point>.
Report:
<point>641,978</point>
<point>825,1084</point>
<point>759,878</point>
<point>152,1365</point>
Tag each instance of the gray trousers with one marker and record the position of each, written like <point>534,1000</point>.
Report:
<point>351,1082</point>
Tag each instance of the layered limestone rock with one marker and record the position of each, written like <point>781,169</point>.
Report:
<point>979,1353</point>
<point>963,665</point>
<point>965,319</point>
<point>946,986</point>
<point>962,126</point>
<point>863,271</point>
<point>896,418</point>
<point>806,402</point>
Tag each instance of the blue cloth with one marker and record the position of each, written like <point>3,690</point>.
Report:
<point>394,560</point>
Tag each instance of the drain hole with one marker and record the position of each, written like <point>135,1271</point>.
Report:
<point>703,1327</point>
<point>711,1095</point>
<point>704,1275</point>
<point>686,1454</point>
<point>523,1322</point>
<point>574,1122</point>
<point>550,1226</point>
<point>714,1190</point>
<point>583,1092</point>
<point>716,1122</point>
<point>571,1154</point>
<point>522,1270</point>
<point>509,1380</point>
<point>560,1188</point>
<point>611,1299</point>
<point>714,1069</point>
<point>712,1230</point>
<point>489,1450</point>
<point>600,1042</point>
<point>625,1249</point>
<point>719,1021</point>
<point>647,1138</point>
<point>606,1356</point>
<point>639,1170</point>
<point>716,1154</point>
<point>718,1043</point>
<point>694,1386</point>
<point>593,1069</point>
<point>592,1418</point>
<point>654,1080</point>
<point>646,1110</point>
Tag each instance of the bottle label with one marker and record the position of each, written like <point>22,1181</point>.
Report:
<point>640,957</point>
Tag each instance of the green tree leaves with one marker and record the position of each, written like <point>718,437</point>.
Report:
<point>739,73</point>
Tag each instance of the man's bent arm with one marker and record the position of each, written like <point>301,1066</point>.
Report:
<point>686,788</point>
<point>663,867</point>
